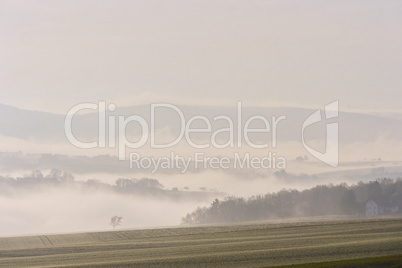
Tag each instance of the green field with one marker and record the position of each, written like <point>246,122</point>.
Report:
<point>258,245</point>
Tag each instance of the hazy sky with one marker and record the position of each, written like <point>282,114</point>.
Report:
<point>55,54</point>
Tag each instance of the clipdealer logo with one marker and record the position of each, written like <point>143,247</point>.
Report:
<point>331,154</point>
<point>112,134</point>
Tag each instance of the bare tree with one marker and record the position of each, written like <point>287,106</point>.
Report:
<point>115,221</point>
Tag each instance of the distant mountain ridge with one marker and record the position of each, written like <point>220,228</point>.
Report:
<point>353,127</point>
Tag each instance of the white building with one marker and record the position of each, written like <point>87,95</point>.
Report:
<point>373,208</point>
<point>377,207</point>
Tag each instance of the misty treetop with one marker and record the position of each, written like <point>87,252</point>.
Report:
<point>57,179</point>
<point>36,179</point>
<point>320,200</point>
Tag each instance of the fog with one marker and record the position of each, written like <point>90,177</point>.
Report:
<point>140,52</point>
<point>304,94</point>
<point>37,208</point>
<point>49,205</point>
<point>72,210</point>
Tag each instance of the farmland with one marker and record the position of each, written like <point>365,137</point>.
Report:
<point>251,245</point>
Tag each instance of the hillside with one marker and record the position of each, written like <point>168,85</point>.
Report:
<point>44,126</point>
<point>260,245</point>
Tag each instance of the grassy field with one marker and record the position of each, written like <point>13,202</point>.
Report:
<point>260,245</point>
<point>384,261</point>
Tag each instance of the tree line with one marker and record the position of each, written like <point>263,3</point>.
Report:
<point>320,200</point>
<point>55,178</point>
